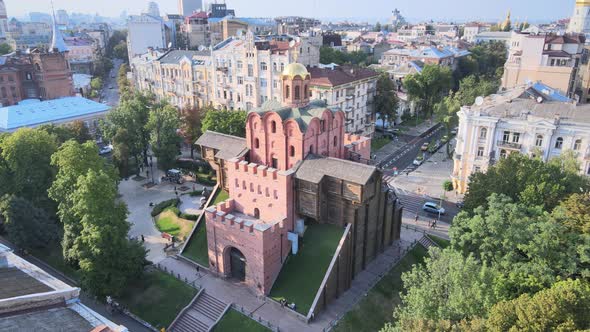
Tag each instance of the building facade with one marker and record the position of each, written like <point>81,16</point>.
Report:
<point>293,168</point>
<point>534,120</point>
<point>351,90</point>
<point>580,20</point>
<point>554,60</point>
<point>188,7</point>
<point>145,31</point>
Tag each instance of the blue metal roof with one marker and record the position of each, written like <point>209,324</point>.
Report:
<point>550,93</point>
<point>32,113</point>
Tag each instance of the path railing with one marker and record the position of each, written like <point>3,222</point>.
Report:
<point>255,317</point>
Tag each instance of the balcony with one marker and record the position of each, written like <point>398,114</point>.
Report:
<point>509,145</point>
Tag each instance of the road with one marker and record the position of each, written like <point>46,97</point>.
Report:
<point>111,96</point>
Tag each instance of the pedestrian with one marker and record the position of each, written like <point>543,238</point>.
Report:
<point>174,188</point>
<point>417,217</point>
<point>434,225</point>
<point>142,238</point>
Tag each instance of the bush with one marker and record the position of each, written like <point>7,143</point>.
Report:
<point>189,216</point>
<point>164,205</point>
<point>174,210</point>
<point>448,185</point>
<point>196,193</point>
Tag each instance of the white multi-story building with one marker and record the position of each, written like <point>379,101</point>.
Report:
<point>471,30</point>
<point>145,31</point>
<point>535,120</point>
<point>580,20</point>
<point>188,7</point>
<point>350,89</point>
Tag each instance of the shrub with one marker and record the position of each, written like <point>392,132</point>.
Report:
<point>174,210</point>
<point>448,185</point>
<point>189,216</point>
<point>158,208</point>
<point>196,193</point>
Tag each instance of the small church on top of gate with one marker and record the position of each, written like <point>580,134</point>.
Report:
<point>296,166</point>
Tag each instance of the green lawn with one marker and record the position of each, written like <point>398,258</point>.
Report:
<point>378,143</point>
<point>170,223</point>
<point>376,309</point>
<point>300,278</point>
<point>443,243</point>
<point>236,321</point>
<point>157,298</point>
<point>197,249</point>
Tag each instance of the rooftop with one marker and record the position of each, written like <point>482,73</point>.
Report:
<point>46,321</point>
<point>340,75</point>
<point>34,112</point>
<point>14,282</point>
<point>314,168</point>
<point>228,146</point>
<point>175,56</point>
<point>302,115</point>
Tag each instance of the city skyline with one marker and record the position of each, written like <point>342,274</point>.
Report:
<point>531,10</point>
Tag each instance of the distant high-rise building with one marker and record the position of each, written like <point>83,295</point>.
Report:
<point>40,17</point>
<point>580,20</point>
<point>187,7</point>
<point>62,17</point>
<point>3,21</point>
<point>153,9</point>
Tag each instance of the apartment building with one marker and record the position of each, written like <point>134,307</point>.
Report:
<point>552,59</point>
<point>471,30</point>
<point>535,120</point>
<point>350,89</point>
<point>430,55</point>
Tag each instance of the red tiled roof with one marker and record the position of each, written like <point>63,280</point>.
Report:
<point>340,75</point>
<point>279,45</point>
<point>565,39</point>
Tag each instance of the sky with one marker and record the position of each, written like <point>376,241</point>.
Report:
<point>371,10</point>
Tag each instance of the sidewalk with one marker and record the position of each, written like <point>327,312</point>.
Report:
<point>233,292</point>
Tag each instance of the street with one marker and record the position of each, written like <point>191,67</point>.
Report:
<point>111,96</point>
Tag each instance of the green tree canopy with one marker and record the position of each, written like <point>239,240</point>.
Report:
<point>190,127</point>
<point>163,125</point>
<point>75,130</point>
<point>386,101</point>
<point>120,51</point>
<point>108,260</point>
<point>5,49</point>
<point>226,122</point>
<point>526,180</point>
<point>429,87</point>
<point>563,307</point>
<point>26,226</point>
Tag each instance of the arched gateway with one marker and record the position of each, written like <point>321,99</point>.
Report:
<point>237,263</point>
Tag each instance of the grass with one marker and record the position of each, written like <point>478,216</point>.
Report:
<point>157,298</point>
<point>376,309</point>
<point>300,278</point>
<point>236,321</point>
<point>378,143</point>
<point>197,248</point>
<point>443,243</point>
<point>170,223</point>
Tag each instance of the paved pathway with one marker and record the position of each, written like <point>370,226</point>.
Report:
<point>234,292</point>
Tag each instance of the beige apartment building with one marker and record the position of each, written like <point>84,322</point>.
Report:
<point>535,120</point>
<point>551,59</point>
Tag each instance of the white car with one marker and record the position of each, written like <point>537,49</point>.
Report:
<point>434,208</point>
<point>418,162</point>
<point>105,149</point>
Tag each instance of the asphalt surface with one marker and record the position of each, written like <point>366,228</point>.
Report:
<point>111,96</point>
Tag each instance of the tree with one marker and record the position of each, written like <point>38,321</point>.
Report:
<point>72,161</point>
<point>429,87</point>
<point>521,241</point>
<point>96,83</point>
<point>563,307</point>
<point>473,86</point>
<point>26,156</point>
<point>123,82</point>
<point>386,100</point>
<point>102,66</point>
<point>120,51</point>
<point>26,226</point>
<point>448,185</point>
<point>5,49</point>
<point>226,122</point>
<point>377,27</point>
<point>525,180</point>
<point>121,151</point>
<point>446,113</point>
<point>190,126</point>
<point>117,37</point>
<point>108,260</point>
<point>574,213</point>
<point>447,287</point>
<point>163,125</point>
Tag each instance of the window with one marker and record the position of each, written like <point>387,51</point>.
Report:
<point>335,141</point>
<point>240,80</point>
<point>282,67</point>
<point>287,92</point>
<point>250,70</point>
<point>483,133</point>
<point>297,93</point>
<point>506,136</point>
<point>256,143</point>
<point>263,66</point>
<point>559,143</point>
<point>274,66</point>
<point>292,151</point>
<point>515,137</point>
<point>305,91</point>
<point>539,140</point>
<point>503,154</point>
<point>275,84</point>
<point>263,83</point>
<point>578,144</point>
<point>480,151</point>
<point>311,148</point>
<point>273,127</point>
<point>240,65</point>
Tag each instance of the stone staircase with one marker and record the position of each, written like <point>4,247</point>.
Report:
<point>427,242</point>
<point>200,315</point>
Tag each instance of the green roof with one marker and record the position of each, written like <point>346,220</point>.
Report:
<point>303,115</point>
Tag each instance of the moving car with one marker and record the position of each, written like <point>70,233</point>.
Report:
<point>418,161</point>
<point>105,149</point>
<point>424,146</point>
<point>432,207</point>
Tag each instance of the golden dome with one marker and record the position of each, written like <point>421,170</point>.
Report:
<point>295,69</point>
<point>582,3</point>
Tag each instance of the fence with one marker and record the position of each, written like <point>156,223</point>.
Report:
<point>255,317</point>
<point>177,275</point>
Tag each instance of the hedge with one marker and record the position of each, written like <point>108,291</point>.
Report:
<point>158,208</point>
<point>189,216</point>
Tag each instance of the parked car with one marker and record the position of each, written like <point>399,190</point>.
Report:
<point>174,176</point>
<point>425,146</point>
<point>111,87</point>
<point>418,161</point>
<point>454,131</point>
<point>434,208</point>
<point>105,149</point>
<point>460,204</point>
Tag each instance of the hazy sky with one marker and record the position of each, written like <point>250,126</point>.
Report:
<point>532,10</point>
